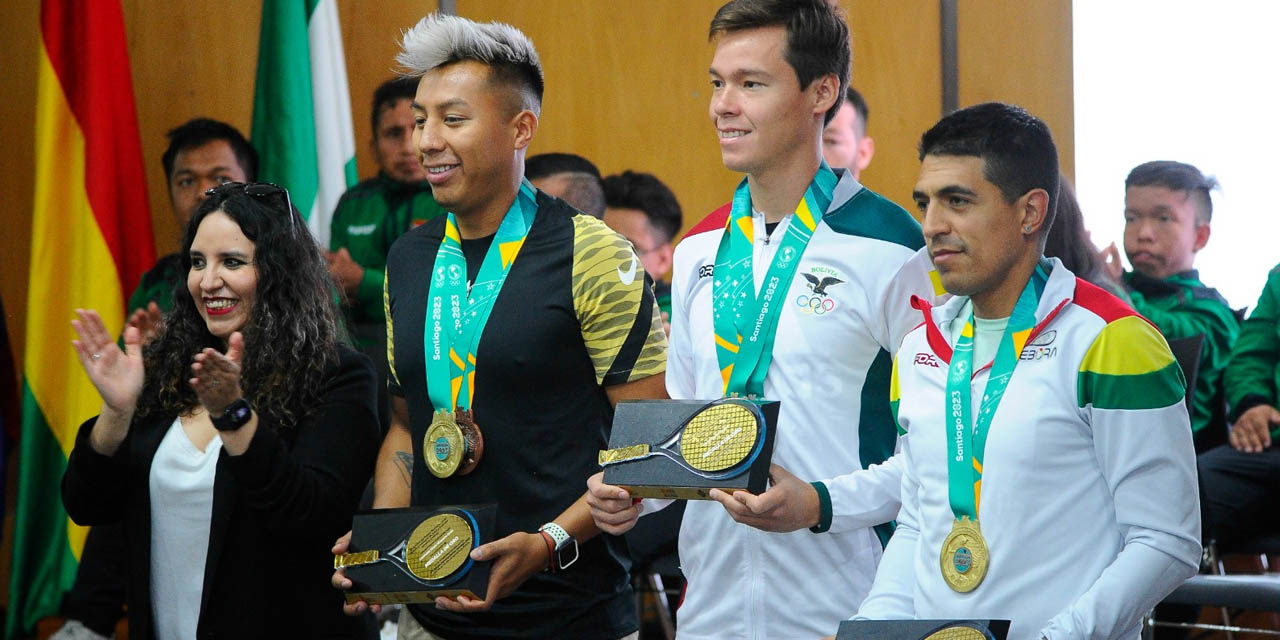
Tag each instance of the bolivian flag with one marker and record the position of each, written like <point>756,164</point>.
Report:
<point>90,243</point>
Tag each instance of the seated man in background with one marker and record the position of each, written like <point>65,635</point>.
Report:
<point>1240,482</point>
<point>570,177</point>
<point>202,154</point>
<point>640,207</point>
<point>1167,210</point>
<point>374,214</point>
<point>845,142</point>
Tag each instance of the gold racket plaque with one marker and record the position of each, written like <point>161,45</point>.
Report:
<point>413,555</point>
<point>438,546</point>
<point>964,556</point>
<point>685,448</point>
<point>957,633</point>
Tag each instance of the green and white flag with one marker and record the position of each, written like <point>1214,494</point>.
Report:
<point>302,108</point>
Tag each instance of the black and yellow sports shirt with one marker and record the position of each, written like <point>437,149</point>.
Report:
<point>575,315</point>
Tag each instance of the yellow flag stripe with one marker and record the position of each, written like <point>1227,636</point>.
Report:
<point>69,257</point>
<point>744,225</point>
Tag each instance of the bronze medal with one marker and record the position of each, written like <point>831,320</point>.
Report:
<point>453,444</point>
<point>472,439</point>
<point>964,556</point>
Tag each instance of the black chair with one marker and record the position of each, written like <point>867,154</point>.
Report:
<point>1227,592</point>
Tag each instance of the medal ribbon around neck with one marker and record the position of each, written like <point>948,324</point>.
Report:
<point>746,321</point>
<point>455,316</point>
<point>965,447</point>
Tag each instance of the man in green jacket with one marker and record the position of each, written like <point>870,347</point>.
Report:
<point>375,213</point>
<point>1241,482</point>
<point>1167,210</point>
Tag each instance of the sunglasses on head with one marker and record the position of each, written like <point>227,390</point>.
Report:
<point>258,190</point>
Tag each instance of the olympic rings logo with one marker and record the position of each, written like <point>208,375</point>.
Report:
<point>817,305</point>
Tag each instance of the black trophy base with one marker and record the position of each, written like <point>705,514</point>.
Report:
<point>651,421</point>
<point>387,582</point>
<point>923,629</point>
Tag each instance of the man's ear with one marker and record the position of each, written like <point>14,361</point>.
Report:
<point>826,91</point>
<point>525,126</point>
<point>1202,237</point>
<point>1035,207</point>
<point>866,149</point>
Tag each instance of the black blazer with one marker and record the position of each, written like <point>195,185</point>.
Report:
<point>277,510</point>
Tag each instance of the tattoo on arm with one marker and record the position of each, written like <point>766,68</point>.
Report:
<point>404,462</point>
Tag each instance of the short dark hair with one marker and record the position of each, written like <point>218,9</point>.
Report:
<point>549,164</point>
<point>1177,176</point>
<point>854,99</point>
<point>201,131</point>
<point>388,94</point>
<point>644,191</point>
<point>585,190</point>
<point>817,36</point>
<point>1016,147</point>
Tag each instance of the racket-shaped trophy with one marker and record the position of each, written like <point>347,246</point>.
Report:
<point>402,556</point>
<point>685,448</point>
<point>923,630</point>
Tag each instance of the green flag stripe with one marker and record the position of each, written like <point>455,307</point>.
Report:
<point>44,566</point>
<point>284,130</point>
<point>1153,390</point>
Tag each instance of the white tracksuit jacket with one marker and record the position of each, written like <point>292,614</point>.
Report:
<point>1088,499</point>
<point>831,365</point>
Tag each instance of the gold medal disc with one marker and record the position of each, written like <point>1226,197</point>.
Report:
<point>438,546</point>
<point>443,447</point>
<point>964,556</point>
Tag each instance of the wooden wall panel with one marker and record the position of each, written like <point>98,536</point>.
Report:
<point>897,67</point>
<point>19,42</point>
<point>1020,52</point>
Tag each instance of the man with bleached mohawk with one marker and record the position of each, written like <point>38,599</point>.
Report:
<point>553,322</point>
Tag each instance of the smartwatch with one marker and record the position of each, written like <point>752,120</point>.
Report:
<point>564,547</point>
<point>236,415</point>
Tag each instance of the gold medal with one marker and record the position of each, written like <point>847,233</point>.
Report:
<point>438,547</point>
<point>964,556</point>
<point>453,444</point>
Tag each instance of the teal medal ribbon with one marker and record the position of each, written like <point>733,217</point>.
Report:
<point>746,321</point>
<point>964,555</point>
<point>456,316</point>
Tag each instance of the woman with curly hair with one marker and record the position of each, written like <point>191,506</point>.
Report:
<point>236,444</point>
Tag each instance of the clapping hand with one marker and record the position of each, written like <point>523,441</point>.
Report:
<point>147,321</point>
<point>216,376</point>
<point>118,375</point>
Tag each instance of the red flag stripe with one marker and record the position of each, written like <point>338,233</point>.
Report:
<point>85,41</point>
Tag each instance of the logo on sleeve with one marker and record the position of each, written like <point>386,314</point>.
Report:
<point>706,271</point>
<point>927,359</point>
<point>628,276</point>
<point>819,279</point>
